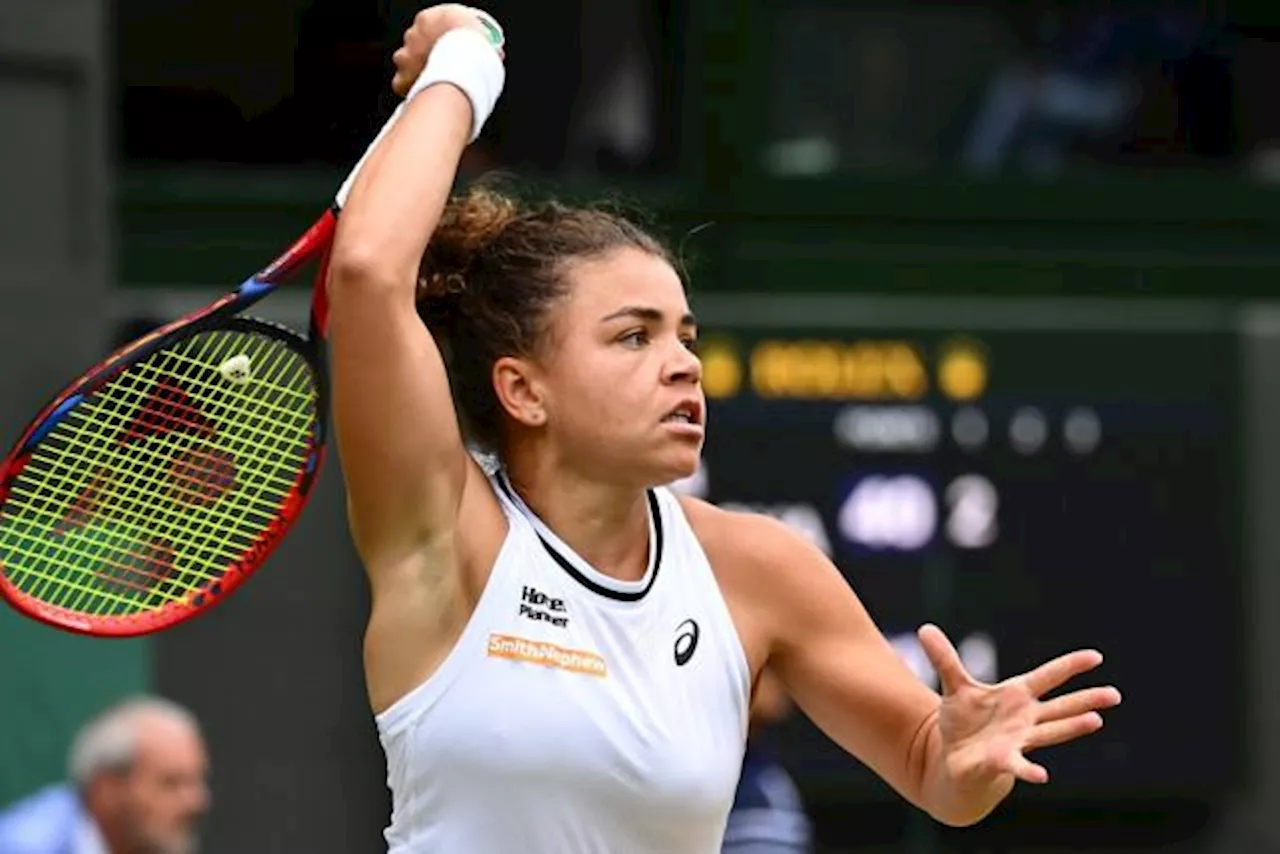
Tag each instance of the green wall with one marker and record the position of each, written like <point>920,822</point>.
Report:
<point>52,682</point>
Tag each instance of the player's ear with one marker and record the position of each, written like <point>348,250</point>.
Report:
<point>517,384</point>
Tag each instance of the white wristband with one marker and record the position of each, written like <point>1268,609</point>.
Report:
<point>467,60</point>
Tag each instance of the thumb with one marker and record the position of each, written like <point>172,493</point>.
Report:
<point>944,658</point>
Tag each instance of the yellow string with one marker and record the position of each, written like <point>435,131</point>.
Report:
<point>264,425</point>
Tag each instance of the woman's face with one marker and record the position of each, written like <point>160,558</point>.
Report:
<point>618,385</point>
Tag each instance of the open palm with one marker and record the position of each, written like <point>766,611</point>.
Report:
<point>987,730</point>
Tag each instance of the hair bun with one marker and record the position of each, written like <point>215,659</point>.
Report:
<point>468,227</point>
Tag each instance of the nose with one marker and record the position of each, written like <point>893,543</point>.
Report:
<point>198,798</point>
<point>683,366</point>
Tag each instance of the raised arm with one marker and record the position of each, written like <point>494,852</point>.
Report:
<point>403,457</point>
<point>404,461</point>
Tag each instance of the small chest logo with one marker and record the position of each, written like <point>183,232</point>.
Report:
<point>541,608</point>
<point>686,641</point>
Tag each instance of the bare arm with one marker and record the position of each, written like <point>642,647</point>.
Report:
<point>956,755</point>
<point>836,665</point>
<point>402,452</point>
<point>407,472</point>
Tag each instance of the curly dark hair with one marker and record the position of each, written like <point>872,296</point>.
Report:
<point>491,272</point>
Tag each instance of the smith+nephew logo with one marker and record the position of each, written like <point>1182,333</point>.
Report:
<point>551,655</point>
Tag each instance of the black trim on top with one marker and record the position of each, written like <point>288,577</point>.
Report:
<point>567,566</point>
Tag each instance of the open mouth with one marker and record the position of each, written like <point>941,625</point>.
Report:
<point>685,413</point>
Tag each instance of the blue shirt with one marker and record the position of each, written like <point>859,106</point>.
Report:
<point>50,821</point>
<point>767,815</point>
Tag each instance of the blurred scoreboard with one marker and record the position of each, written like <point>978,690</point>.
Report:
<point>1035,477</point>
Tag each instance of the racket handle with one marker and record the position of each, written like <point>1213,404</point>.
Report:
<point>496,38</point>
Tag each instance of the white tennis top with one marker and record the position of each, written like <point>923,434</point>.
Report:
<point>577,714</point>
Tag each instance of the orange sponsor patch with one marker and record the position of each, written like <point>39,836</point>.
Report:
<point>515,648</point>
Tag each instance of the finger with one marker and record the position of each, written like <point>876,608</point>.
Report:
<point>1053,673</point>
<point>401,82</point>
<point>1061,731</point>
<point>1019,767</point>
<point>1028,771</point>
<point>944,658</point>
<point>1078,703</point>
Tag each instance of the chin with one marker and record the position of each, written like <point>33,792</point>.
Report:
<point>646,465</point>
<point>673,467</point>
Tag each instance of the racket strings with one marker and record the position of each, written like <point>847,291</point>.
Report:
<point>127,494</point>
<point>124,490</point>
<point>130,501</point>
<point>125,506</point>
<point>144,564</point>
<point>263,430</point>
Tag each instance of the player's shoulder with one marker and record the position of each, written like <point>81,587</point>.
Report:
<point>742,539</point>
<point>764,568</point>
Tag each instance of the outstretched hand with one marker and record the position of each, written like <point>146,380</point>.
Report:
<point>987,730</point>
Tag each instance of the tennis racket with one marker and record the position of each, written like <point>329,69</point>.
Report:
<point>160,480</point>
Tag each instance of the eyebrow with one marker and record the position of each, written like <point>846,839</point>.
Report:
<point>652,315</point>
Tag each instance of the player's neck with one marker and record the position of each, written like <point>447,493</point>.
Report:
<point>607,525</point>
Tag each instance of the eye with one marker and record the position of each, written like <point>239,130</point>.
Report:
<point>690,343</point>
<point>635,338</point>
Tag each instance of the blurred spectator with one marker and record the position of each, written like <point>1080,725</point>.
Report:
<point>136,786</point>
<point>767,815</point>
<point>1085,81</point>
<point>614,119</point>
<point>873,88</point>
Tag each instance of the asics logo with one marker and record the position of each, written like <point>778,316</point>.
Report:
<point>686,641</point>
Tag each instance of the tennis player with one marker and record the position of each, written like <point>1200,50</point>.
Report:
<point>560,652</point>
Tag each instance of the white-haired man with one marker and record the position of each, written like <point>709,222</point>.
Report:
<point>137,786</point>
